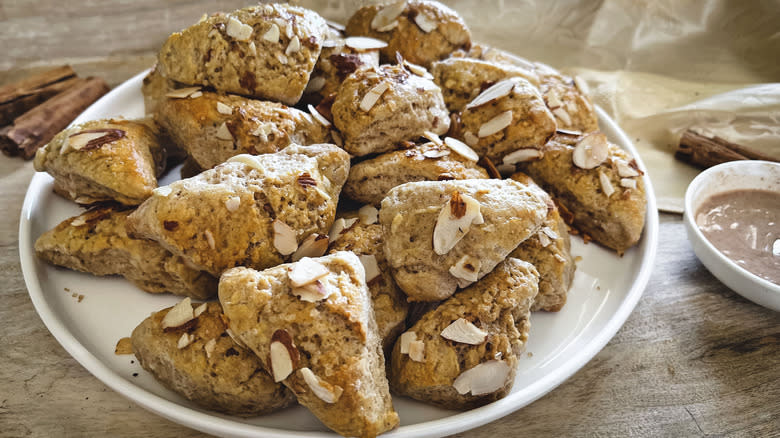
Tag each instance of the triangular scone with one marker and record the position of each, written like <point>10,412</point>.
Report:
<point>312,325</point>
<point>463,354</point>
<point>213,127</point>
<point>97,242</point>
<point>104,160</point>
<point>549,250</point>
<point>443,234</point>
<point>195,357</point>
<point>250,211</point>
<point>370,180</point>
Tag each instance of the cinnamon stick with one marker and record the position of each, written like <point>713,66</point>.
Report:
<point>36,127</point>
<point>706,152</point>
<point>19,97</point>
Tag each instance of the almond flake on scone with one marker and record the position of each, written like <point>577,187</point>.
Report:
<point>209,368</point>
<point>213,127</point>
<point>370,180</point>
<point>430,226</point>
<point>421,31</point>
<point>567,100</point>
<point>328,351</point>
<point>376,109</point>
<point>265,51</point>
<point>472,341</point>
<point>508,116</point>
<point>104,160</point>
<point>297,187</point>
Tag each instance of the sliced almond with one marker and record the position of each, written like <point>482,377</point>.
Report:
<point>465,332</point>
<point>200,309</point>
<point>294,46</point>
<point>209,239</point>
<point>581,85</point>
<point>470,138</point>
<point>606,184</point>
<point>418,70</point>
<point>364,43</point>
<point>406,339</point>
<point>370,265</point>
<point>317,116</point>
<point>553,99</point>
<point>389,27</point>
<point>373,95</point>
<point>339,225</point>
<point>425,23</point>
<point>252,48</point>
<point>522,156</point>
<point>314,245</point>
<point>484,378</point>
<point>461,149</point>
<point>163,191</point>
<point>285,238</point>
<point>368,214</point>
<point>272,35</point>
<point>322,389</point>
<point>417,351</point>
<point>284,355</point>
<point>80,140</point>
<point>568,132</point>
<point>436,153</point>
<point>184,340</point>
<point>495,91</point>
<point>433,137</point>
<point>496,124</point>
<point>312,292</point>
<point>224,109</point>
<point>306,271</point>
<point>223,133</point>
<point>288,30</point>
<point>451,226</point>
<point>232,203</point>
<point>182,93</point>
<point>316,83</point>
<point>549,233</point>
<point>591,151</point>
<point>282,58</point>
<point>235,338</point>
<point>179,314</point>
<point>544,239</point>
<point>196,95</point>
<point>562,115</point>
<point>628,183</point>
<point>263,130</point>
<point>467,268</point>
<point>387,15</point>
<point>209,347</point>
<point>238,30</point>
<point>337,138</point>
<point>625,170</point>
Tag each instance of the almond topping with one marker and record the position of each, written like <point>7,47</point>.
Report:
<point>496,124</point>
<point>210,239</point>
<point>581,85</point>
<point>368,214</point>
<point>315,84</point>
<point>314,245</point>
<point>182,93</point>
<point>282,58</point>
<point>425,23</point>
<point>389,27</point>
<point>568,132</point>
<point>625,170</point>
<point>465,332</point>
<point>184,340</point>
<point>553,99</point>
<point>406,339</point>
<point>454,221</point>
<point>263,130</point>
<point>562,115</point>
<point>484,378</point>
<point>467,269</point>
<point>418,70</point>
<point>272,35</point>
<point>312,292</point>
<point>496,91</point>
<point>252,48</point>
<point>285,239</point>
<point>606,184</point>
<point>417,351</point>
<point>544,239</point>
<point>80,140</point>
<point>373,95</point>
<point>306,271</point>
<point>209,347</point>
<point>337,138</point>
<point>461,149</point>
<point>433,137</point>
<point>284,355</point>
<point>319,117</point>
<point>163,191</point>
<point>628,183</point>
<point>522,155</point>
<point>200,309</point>
<point>591,151</point>
<point>294,46</point>
<point>224,109</point>
<point>322,389</point>
<point>370,266</point>
<point>387,15</point>
<point>196,95</point>
<point>238,30</point>
<point>233,203</point>
<point>223,133</point>
<point>470,138</point>
<point>435,153</point>
<point>550,233</point>
<point>339,226</point>
<point>179,314</point>
<point>364,43</point>
<point>235,338</point>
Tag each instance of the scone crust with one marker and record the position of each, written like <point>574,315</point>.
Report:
<point>570,105</point>
<point>499,304</point>
<point>225,378</point>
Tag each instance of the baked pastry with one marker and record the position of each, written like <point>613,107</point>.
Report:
<point>444,234</point>
<point>506,117</point>
<point>213,127</point>
<point>97,242</point>
<point>567,99</point>
<point>549,250</point>
<point>421,31</point>
<point>312,324</point>
<point>250,211</point>
<point>266,51</point>
<point>463,79</point>
<point>370,180</point>
<point>464,353</point>
<point>597,184</point>
<point>378,108</point>
<point>198,360</point>
<point>364,238</point>
<point>104,160</point>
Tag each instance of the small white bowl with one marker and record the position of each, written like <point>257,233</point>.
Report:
<point>735,175</point>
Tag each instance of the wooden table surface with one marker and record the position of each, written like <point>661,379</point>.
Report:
<point>693,359</point>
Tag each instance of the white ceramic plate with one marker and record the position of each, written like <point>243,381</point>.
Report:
<point>606,288</point>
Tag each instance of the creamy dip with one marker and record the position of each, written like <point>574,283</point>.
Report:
<point>745,226</point>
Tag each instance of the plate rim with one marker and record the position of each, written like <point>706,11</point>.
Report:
<point>210,423</point>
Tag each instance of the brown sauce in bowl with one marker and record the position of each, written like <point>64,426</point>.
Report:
<point>745,226</point>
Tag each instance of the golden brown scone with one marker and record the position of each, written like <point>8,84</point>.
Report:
<point>250,211</point>
<point>464,353</point>
<point>213,127</point>
<point>209,368</point>
<point>616,219</point>
<point>266,51</point>
<point>104,160</point>
<point>443,234</point>
<point>462,79</point>
<point>549,250</point>
<point>97,242</point>
<point>377,108</point>
<point>154,87</point>
<point>567,99</point>
<point>318,337</point>
<point>370,180</point>
<point>389,302</point>
<point>517,118</point>
<point>421,31</point>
